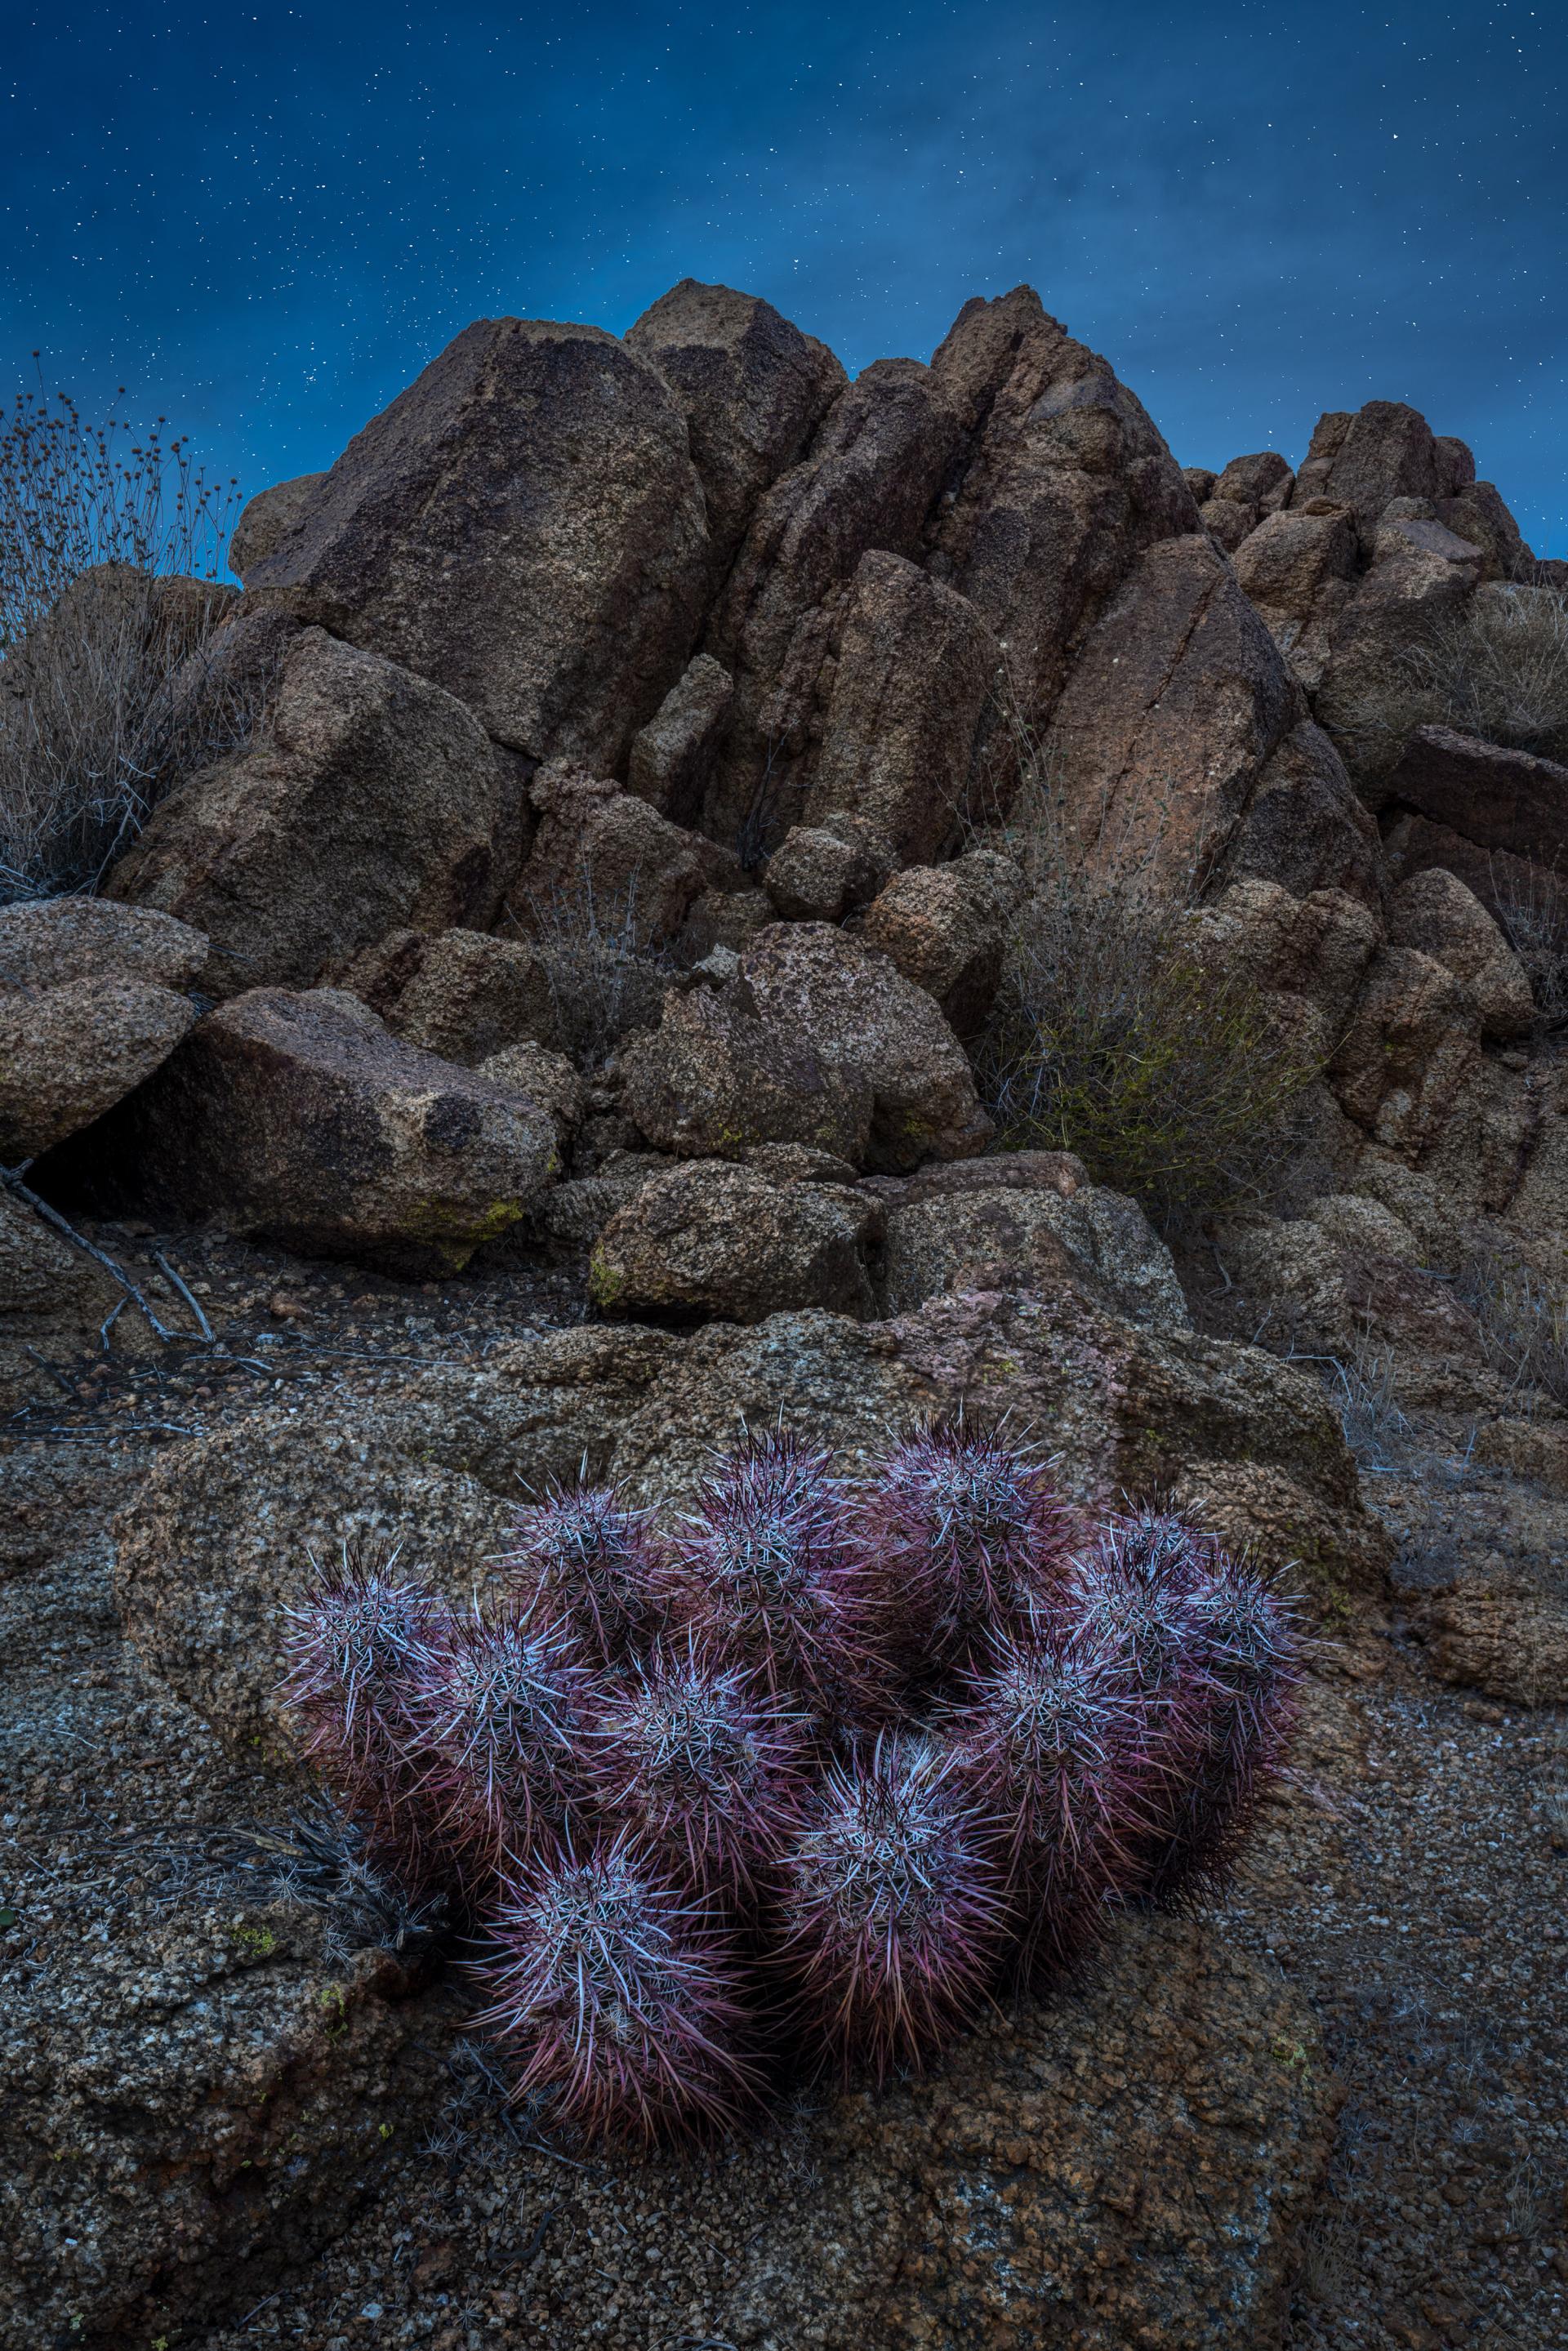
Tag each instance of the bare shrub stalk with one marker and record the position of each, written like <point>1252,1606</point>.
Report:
<point>607,968</point>
<point>110,553</point>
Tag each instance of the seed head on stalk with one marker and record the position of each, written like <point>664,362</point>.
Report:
<point>623,2001</point>
<point>765,1576</point>
<point>891,1908</point>
<point>498,1717</point>
<point>705,1765</point>
<point>582,1552</point>
<point>968,1537</point>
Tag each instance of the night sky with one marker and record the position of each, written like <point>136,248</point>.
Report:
<point>265,222</point>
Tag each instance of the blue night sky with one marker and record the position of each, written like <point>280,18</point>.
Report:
<point>265,222</point>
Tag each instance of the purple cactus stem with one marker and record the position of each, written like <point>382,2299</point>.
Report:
<point>357,1648</point>
<point>582,1552</point>
<point>1246,1642</point>
<point>767,1577</point>
<point>891,1907</point>
<point>706,1764</point>
<point>1048,1738</point>
<point>969,1538</point>
<point>623,2000</point>
<point>498,1716</point>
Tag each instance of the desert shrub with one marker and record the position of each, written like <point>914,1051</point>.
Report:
<point>607,968</point>
<point>724,1805</point>
<point>1113,1034</point>
<point>1495,666</point>
<point>110,551</point>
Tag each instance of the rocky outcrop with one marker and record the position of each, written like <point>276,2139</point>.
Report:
<point>1496,799</point>
<point>813,1039</point>
<point>1299,568</point>
<point>269,521</point>
<point>613,856</point>
<point>301,1115</point>
<point>788,1229</point>
<point>525,527</point>
<point>56,942</point>
<point>1435,912</point>
<point>672,757</point>
<point>372,800</point>
<point>751,387</point>
<point>462,994</point>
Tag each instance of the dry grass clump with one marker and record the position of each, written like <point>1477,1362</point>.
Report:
<point>1521,1314</point>
<point>1532,907</point>
<point>1495,666</point>
<point>1112,1035</point>
<point>110,551</point>
<point>607,968</point>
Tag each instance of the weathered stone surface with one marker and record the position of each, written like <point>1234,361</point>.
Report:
<point>1420,575</point>
<point>46,941</point>
<point>945,928</point>
<point>1306,826</point>
<point>612,857</point>
<point>1509,1641</point>
<point>875,465</point>
<point>1435,912</point>
<point>71,1053</point>
<point>672,757</point>
<point>372,800</point>
<point>1226,520</point>
<point>269,521</point>
<point>462,994</point>
<point>916,667</point>
<point>1498,800</point>
<point>1175,706</point>
<point>751,387</point>
<point>1367,458</point>
<point>1315,948</point>
<point>1412,1041</point>
<point>219,1542</point>
<point>1065,482</point>
<point>816,1039</point>
<point>547,1080</point>
<point>53,1298</point>
<point>299,1114</point>
<point>811,876</point>
<point>1263,479</point>
<point>524,526</point>
<point>1038,1237</point>
<point>1299,567</point>
<point>739,1242</point>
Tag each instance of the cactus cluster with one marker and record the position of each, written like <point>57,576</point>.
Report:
<point>802,1780</point>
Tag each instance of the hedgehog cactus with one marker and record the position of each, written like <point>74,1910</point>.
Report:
<point>706,1768</point>
<point>497,1717</point>
<point>358,1648</point>
<point>891,1909</point>
<point>968,1535</point>
<point>583,1553</point>
<point>1047,1738</point>
<point>625,2002</point>
<point>1244,1642</point>
<point>767,1577</point>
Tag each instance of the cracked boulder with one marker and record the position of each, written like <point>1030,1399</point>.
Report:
<point>93,998</point>
<point>812,1039</point>
<point>739,1242</point>
<point>300,1115</point>
<point>370,800</point>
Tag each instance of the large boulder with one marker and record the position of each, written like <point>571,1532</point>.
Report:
<point>1497,800</point>
<point>945,928</point>
<point>92,999</point>
<point>1026,1220</point>
<point>752,389</point>
<point>915,668</point>
<point>876,463</point>
<point>1184,742</point>
<point>1434,911</point>
<point>462,994</point>
<point>611,859</point>
<point>1299,565</point>
<point>523,527</point>
<point>301,1115</point>
<point>814,1039</point>
<point>710,1237</point>
<point>219,1542</point>
<point>371,800</point>
<point>268,521</point>
<point>1065,482</point>
<point>672,757</point>
<point>1411,1044</point>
